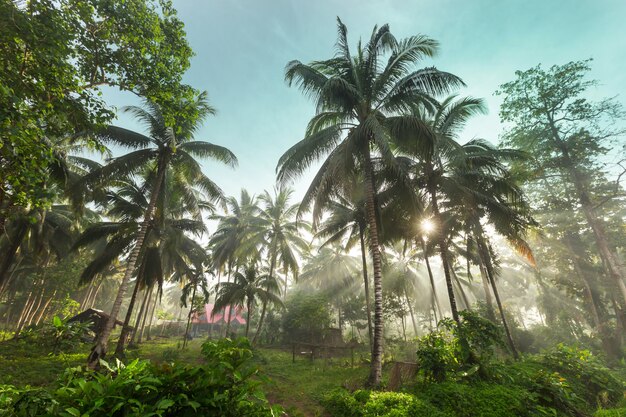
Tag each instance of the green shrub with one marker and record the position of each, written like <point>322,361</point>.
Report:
<point>588,377</point>
<point>340,403</point>
<point>140,389</point>
<point>615,412</point>
<point>478,399</point>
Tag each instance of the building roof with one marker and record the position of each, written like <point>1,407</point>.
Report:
<point>236,315</point>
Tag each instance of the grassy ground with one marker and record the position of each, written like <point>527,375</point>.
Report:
<point>296,386</point>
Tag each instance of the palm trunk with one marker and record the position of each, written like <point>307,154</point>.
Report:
<point>435,298</point>
<point>45,308</point>
<point>9,256</point>
<point>100,348</point>
<point>460,287</point>
<point>264,307</point>
<point>217,290</point>
<point>154,304</point>
<point>139,317</point>
<point>366,284</point>
<point>92,301</point>
<point>370,208</point>
<point>445,256</point>
<point>121,342</point>
<point>193,299</point>
<point>145,316</point>
<point>491,315</point>
<point>486,260</point>
<point>248,318</point>
<point>408,302</point>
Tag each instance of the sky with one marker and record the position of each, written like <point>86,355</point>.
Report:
<point>242,47</point>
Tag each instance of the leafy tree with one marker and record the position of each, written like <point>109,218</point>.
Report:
<point>358,99</point>
<point>549,117</point>
<point>54,58</point>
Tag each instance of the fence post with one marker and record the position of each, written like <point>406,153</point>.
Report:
<point>293,353</point>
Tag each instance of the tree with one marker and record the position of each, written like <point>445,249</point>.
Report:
<point>54,58</point>
<point>168,146</point>
<point>280,231</point>
<point>358,100</point>
<point>246,289</point>
<point>549,117</point>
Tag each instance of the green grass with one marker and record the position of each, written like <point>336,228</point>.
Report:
<point>23,363</point>
<point>299,386</point>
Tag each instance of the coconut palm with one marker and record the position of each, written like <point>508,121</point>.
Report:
<point>247,288</point>
<point>170,144</point>
<point>281,233</point>
<point>358,100</point>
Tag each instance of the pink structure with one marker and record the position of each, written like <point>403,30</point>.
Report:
<point>236,316</point>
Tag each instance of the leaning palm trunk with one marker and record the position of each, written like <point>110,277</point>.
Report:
<point>486,259</point>
<point>144,319</point>
<point>100,348</point>
<point>154,304</point>
<point>370,208</point>
<point>138,319</point>
<point>366,286</point>
<point>121,342</point>
<point>408,302</point>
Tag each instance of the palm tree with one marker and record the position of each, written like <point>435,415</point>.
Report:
<point>170,144</point>
<point>358,99</point>
<point>280,231</point>
<point>248,287</point>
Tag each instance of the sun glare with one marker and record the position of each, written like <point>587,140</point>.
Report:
<point>427,226</point>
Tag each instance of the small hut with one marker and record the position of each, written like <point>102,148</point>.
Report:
<point>97,318</point>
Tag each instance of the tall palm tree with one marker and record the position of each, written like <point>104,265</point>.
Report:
<point>247,288</point>
<point>358,100</point>
<point>280,231</point>
<point>170,144</point>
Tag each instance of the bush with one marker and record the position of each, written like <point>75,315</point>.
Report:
<point>458,350</point>
<point>340,403</point>
<point>305,318</point>
<point>478,399</point>
<point>588,377</point>
<point>141,389</point>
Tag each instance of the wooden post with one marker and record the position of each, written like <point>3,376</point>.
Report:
<point>293,353</point>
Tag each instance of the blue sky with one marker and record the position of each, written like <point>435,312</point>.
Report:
<point>242,47</point>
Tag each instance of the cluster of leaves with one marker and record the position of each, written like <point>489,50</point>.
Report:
<point>340,403</point>
<point>458,350</point>
<point>59,335</point>
<point>223,387</point>
<point>305,318</point>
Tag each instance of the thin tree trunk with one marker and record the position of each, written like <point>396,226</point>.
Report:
<point>461,290</point>
<point>138,319</point>
<point>491,315</point>
<point>154,304</point>
<point>145,315</point>
<point>22,318</point>
<point>264,306</point>
<point>217,290</point>
<point>45,307</point>
<point>121,342</point>
<point>370,208</point>
<point>92,302</point>
<point>33,312</point>
<point>435,298</point>
<point>248,318</point>
<point>9,256</point>
<point>408,302</point>
<point>366,284</point>
<point>193,300</point>
<point>445,257</point>
<point>486,259</point>
<point>100,348</point>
